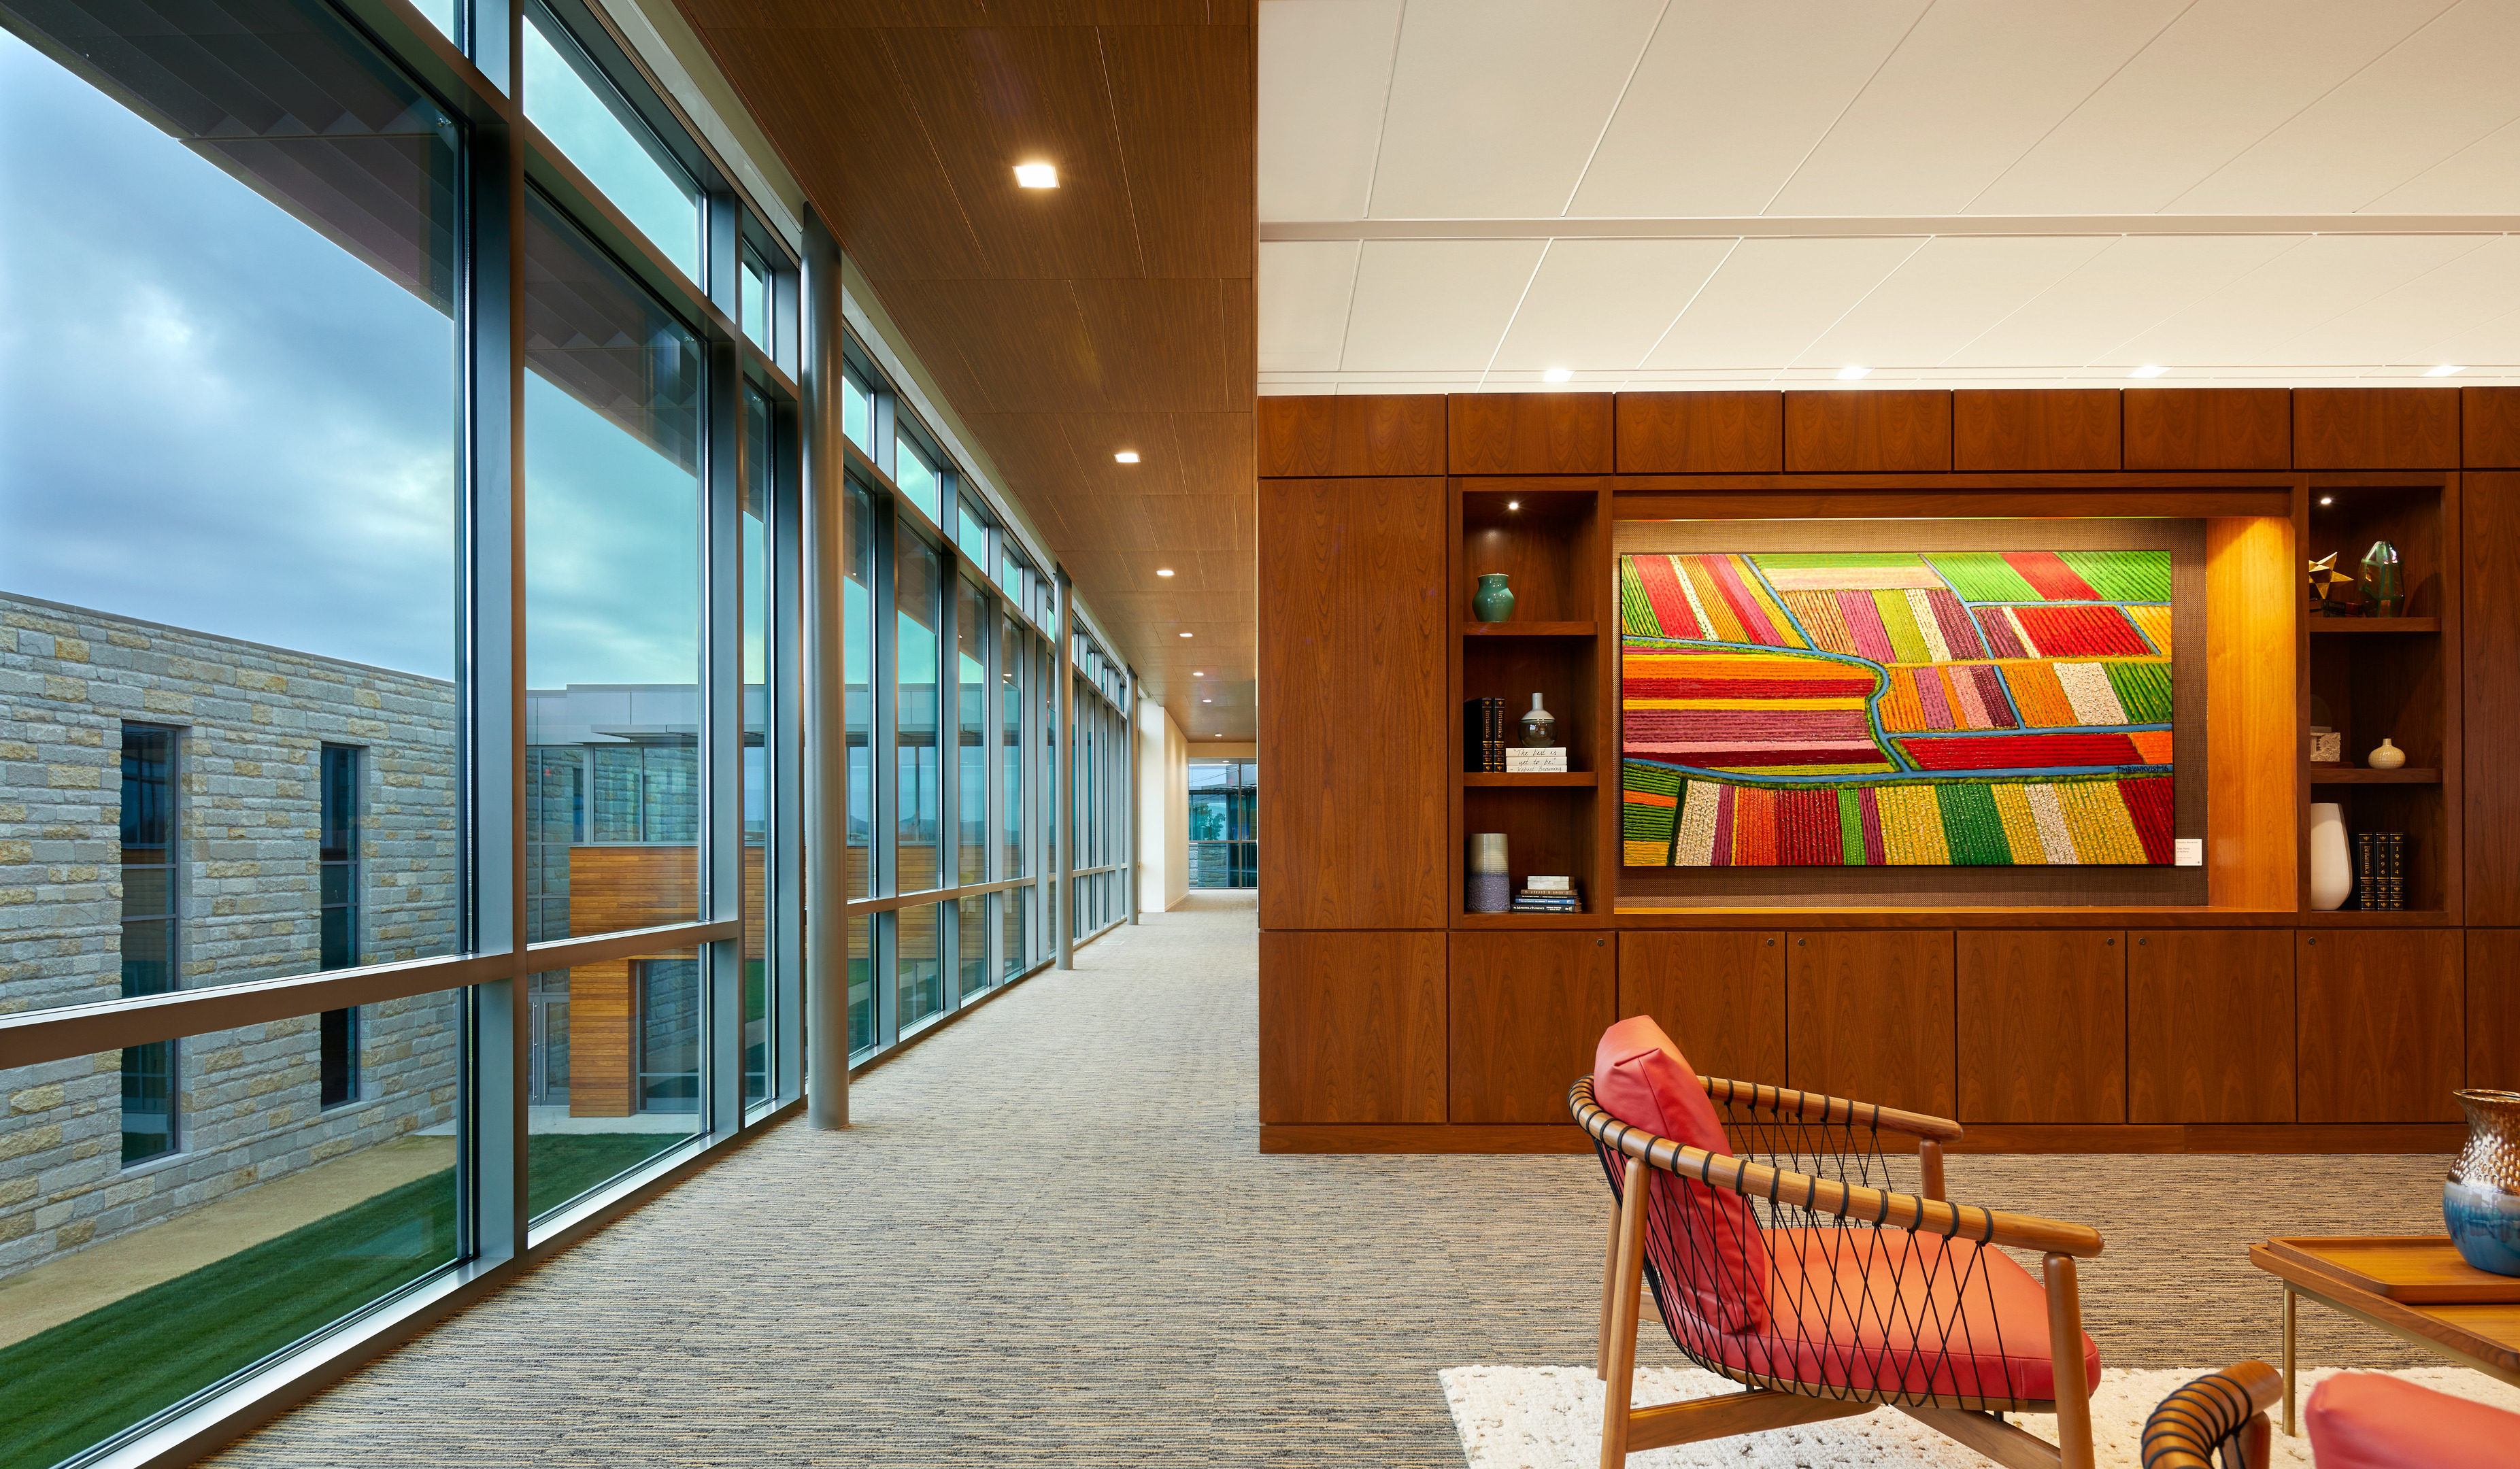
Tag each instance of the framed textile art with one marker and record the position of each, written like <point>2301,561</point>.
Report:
<point>1895,708</point>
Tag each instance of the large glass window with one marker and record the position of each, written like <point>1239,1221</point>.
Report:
<point>1014,664</point>
<point>590,121</point>
<point>972,727</point>
<point>858,654</point>
<point>1224,817</point>
<point>920,960</point>
<point>760,996</point>
<point>336,857</point>
<point>914,468</point>
<point>917,590</point>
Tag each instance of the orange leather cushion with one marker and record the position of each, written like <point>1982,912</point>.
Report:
<point>1883,1310</point>
<point>2362,1420</point>
<point>1702,1241</point>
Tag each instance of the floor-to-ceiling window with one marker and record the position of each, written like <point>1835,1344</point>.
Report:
<point>1224,822</point>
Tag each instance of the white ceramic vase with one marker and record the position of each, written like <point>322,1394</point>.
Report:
<point>2387,757</point>
<point>2332,874</point>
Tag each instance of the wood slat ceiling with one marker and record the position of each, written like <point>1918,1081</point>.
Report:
<point>1114,312</point>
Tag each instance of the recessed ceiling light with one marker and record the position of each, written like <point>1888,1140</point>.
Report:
<point>2149,370</point>
<point>1127,455</point>
<point>1197,674</point>
<point>1850,374</point>
<point>1514,505</point>
<point>2444,371</point>
<point>2327,500</point>
<point>1208,701</point>
<point>1555,375</point>
<point>1036,176</point>
<point>1185,634</point>
<point>1163,571</point>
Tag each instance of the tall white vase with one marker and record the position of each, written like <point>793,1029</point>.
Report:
<point>2332,874</point>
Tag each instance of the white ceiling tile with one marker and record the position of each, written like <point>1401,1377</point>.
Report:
<point>1773,298</point>
<point>2496,341</point>
<point>1325,67</point>
<point>2252,320</point>
<point>1464,383</point>
<point>1435,305</point>
<point>2482,177</point>
<point>2121,292</point>
<point>1304,290</point>
<point>2443,88</point>
<point>2419,319</point>
<point>2225,74</point>
<point>1599,305</point>
<point>1728,99</point>
<point>1945,296</point>
<point>1496,103</point>
<point>1973,86</point>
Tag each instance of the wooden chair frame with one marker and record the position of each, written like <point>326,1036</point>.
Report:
<point>2222,1413</point>
<point>1772,1403</point>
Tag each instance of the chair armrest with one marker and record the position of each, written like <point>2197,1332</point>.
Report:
<point>2196,1419</point>
<point>1811,1106</point>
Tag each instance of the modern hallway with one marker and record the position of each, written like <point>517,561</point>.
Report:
<point>1050,1240</point>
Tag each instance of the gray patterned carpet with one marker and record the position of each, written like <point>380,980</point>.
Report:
<point>1049,1239</point>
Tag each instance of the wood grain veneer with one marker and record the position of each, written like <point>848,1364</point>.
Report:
<point>611,889</point>
<point>1852,431</point>
<point>2374,428</point>
<point>2490,428</point>
<point>2382,1025</point>
<point>2494,1009</point>
<point>1529,433</point>
<point>2041,1026</point>
<point>1701,434</point>
<point>1527,1010</point>
<point>1351,1027</point>
<point>1326,436</point>
<point>2490,694</point>
<point>2209,1025</point>
<point>2252,731</point>
<point>2008,429</point>
<point>2207,428</point>
<point>1719,996</point>
<point>1869,1016</point>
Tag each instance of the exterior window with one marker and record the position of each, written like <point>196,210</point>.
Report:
<point>971,533</point>
<point>759,1000</point>
<point>858,653</point>
<point>918,592</point>
<point>669,1034</point>
<point>338,899</point>
<point>857,410</point>
<point>150,904</point>
<point>971,737</point>
<point>914,470</point>
<point>755,300</point>
<point>612,144</point>
<point>1224,815</point>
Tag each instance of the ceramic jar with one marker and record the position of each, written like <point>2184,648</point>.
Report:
<point>2331,872</point>
<point>2387,757</point>
<point>2481,1201</point>
<point>1493,601</point>
<point>1539,728</point>
<point>1489,888</point>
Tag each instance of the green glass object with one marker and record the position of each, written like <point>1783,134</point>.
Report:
<point>2384,590</point>
<point>1493,601</point>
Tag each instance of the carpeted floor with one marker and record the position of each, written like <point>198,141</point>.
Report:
<point>1049,1239</point>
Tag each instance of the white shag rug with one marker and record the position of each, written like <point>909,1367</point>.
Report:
<point>1550,1418</point>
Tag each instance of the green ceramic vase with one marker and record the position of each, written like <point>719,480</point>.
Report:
<point>1493,601</point>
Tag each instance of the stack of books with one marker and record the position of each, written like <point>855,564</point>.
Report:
<point>2379,871</point>
<point>1483,735</point>
<point>1541,759</point>
<point>1548,895</point>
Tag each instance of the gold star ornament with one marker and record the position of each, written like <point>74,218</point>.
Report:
<point>2324,579</point>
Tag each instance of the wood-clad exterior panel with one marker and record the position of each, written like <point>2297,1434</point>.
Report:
<point>1701,434</point>
<point>2210,1025</point>
<point>2494,1009</point>
<point>2490,694</point>
<point>1353,436</point>
<point>1891,431</point>
<point>2041,1026</point>
<point>1526,1011</point>
<point>2382,1025</point>
<point>1351,1027</point>
<point>1354,649</point>
<point>1529,433</point>
<point>1719,995</point>
<point>612,888</point>
<point>1869,1018</point>
<point>2207,428</point>
<point>2035,430</point>
<point>2489,425</point>
<point>2374,428</point>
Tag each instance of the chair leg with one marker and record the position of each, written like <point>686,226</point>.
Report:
<point>2065,1357</point>
<point>1618,1389</point>
<point>1609,1280</point>
<point>2256,1447</point>
<point>1929,1167</point>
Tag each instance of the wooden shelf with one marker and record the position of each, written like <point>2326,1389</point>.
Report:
<point>1533,920</point>
<point>1530,777</point>
<point>2392,917</point>
<point>2375,624</point>
<point>2355,775</point>
<point>1530,629</point>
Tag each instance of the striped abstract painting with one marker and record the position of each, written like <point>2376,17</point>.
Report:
<point>1901,709</point>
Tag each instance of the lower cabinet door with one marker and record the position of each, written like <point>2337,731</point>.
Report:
<point>2042,1025</point>
<point>1868,1016</point>
<point>1719,995</point>
<point>2382,1025</point>
<point>2208,1025</point>
<point>1527,1010</point>
<point>1351,1026</point>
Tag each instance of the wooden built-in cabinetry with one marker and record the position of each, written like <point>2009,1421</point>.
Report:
<point>1394,1020</point>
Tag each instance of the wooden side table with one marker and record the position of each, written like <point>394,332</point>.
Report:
<point>2415,1287</point>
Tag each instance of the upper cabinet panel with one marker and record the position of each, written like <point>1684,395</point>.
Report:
<point>2374,428</point>
<point>1530,434</point>
<point>2034,432</point>
<point>2208,428</point>
<point>1869,432</point>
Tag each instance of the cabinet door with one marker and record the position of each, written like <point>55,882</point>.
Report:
<point>1869,1017</point>
<point>1351,1027</point>
<point>2208,1025</point>
<point>2381,1026</point>
<point>1719,996</point>
<point>1527,1010</point>
<point>2494,1009</point>
<point>2042,1025</point>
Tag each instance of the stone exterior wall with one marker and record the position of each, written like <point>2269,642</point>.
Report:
<point>252,721</point>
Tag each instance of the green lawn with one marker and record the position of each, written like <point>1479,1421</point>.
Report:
<point>65,1388</point>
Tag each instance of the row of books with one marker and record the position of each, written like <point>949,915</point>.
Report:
<point>1548,895</point>
<point>2380,870</point>
<point>1483,735</point>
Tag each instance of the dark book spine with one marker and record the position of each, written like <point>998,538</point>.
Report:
<point>2366,890</point>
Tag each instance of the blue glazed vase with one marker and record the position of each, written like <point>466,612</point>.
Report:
<point>2481,1201</point>
<point>1493,601</point>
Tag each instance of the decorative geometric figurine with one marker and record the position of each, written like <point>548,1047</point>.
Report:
<point>2384,590</point>
<point>2324,579</point>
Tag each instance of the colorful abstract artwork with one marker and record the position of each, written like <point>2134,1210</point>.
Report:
<point>1900,709</point>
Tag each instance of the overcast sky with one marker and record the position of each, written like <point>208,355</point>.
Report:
<point>212,416</point>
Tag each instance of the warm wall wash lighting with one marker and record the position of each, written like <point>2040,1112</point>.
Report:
<point>1127,455</point>
<point>2149,370</point>
<point>1036,176</point>
<point>2444,371</point>
<point>1850,374</point>
<point>1555,375</point>
<point>1163,571</point>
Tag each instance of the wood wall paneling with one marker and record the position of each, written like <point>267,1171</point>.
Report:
<point>2042,1025</point>
<point>1352,435</point>
<point>2494,1009</point>
<point>2207,428</point>
<point>1701,434</point>
<point>1355,633</point>
<point>2252,841</point>
<point>2210,1026</point>
<point>1351,1027</point>
<point>2374,428</point>
<point>2034,430</point>
<point>1529,433</point>
<point>2490,428</point>
<point>1527,1011</point>
<point>1719,995</point>
<point>2490,694</point>
<point>1869,1018</point>
<point>2382,1025</point>
<point>1852,431</point>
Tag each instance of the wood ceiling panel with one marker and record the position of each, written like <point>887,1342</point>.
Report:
<point>1177,92</point>
<point>1094,437</point>
<point>1165,344</point>
<point>1026,342</point>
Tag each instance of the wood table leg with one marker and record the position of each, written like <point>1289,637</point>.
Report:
<point>2292,1316</point>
